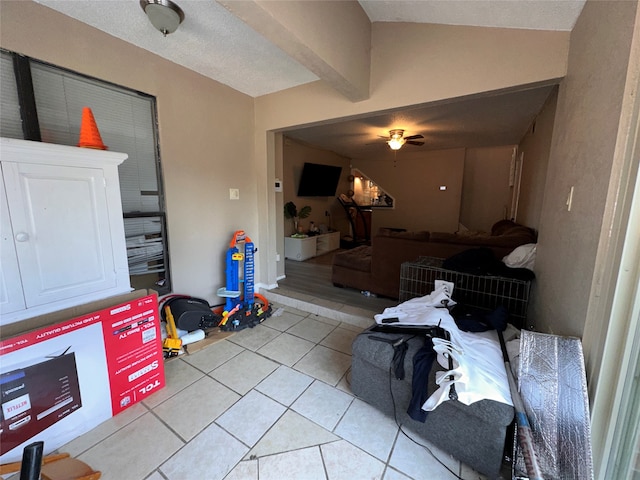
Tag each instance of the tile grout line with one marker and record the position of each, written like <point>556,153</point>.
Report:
<point>345,389</point>
<point>288,407</point>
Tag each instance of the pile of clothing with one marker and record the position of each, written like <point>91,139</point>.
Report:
<point>469,352</point>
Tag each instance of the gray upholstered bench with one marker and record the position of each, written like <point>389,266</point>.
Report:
<point>473,434</point>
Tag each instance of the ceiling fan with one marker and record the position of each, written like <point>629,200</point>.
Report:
<point>397,140</point>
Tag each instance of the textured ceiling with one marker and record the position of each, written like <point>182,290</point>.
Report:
<point>215,43</point>
<point>528,14</point>
<point>210,41</point>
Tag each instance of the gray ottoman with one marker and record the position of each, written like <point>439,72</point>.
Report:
<point>473,434</point>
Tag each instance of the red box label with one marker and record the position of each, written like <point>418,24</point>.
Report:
<point>134,352</point>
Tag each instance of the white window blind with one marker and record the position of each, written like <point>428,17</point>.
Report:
<point>10,120</point>
<point>125,121</point>
<point>144,245</point>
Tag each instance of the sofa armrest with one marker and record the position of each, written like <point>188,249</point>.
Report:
<point>387,255</point>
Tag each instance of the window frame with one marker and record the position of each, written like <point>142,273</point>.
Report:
<point>32,131</point>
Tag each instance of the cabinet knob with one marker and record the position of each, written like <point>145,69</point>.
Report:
<point>22,237</point>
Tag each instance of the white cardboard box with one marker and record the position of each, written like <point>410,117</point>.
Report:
<point>76,369</point>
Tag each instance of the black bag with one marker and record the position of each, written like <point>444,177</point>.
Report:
<point>476,261</point>
<point>190,313</point>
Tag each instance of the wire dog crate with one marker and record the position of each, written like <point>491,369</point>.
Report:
<point>486,292</point>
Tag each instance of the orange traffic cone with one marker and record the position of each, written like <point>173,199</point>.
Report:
<point>89,134</point>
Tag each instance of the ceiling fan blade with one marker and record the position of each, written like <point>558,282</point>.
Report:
<point>413,137</point>
<point>413,142</point>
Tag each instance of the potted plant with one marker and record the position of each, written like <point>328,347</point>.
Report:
<point>291,211</point>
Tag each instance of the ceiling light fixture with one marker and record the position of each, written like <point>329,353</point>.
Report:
<point>396,141</point>
<point>163,14</point>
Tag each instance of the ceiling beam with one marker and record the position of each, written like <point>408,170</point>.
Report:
<point>331,39</point>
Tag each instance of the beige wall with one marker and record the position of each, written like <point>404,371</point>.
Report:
<point>486,195</point>
<point>196,118</point>
<point>414,181</point>
<point>477,186</point>
<point>535,146</point>
<point>606,330</point>
<point>584,136</point>
<point>295,155</point>
<point>435,62</point>
<point>579,251</point>
<point>446,62</point>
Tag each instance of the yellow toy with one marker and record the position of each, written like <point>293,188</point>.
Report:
<point>172,344</point>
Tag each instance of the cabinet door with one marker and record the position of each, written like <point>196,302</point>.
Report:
<point>299,249</point>
<point>11,297</point>
<point>61,226</point>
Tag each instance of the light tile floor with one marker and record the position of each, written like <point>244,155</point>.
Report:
<point>268,403</point>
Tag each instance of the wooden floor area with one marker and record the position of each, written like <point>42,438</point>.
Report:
<point>314,278</point>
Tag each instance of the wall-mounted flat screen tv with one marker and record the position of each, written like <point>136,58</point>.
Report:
<point>319,180</point>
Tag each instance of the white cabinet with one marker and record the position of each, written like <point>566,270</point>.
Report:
<point>303,248</point>
<point>299,248</point>
<point>62,233</point>
<point>327,242</point>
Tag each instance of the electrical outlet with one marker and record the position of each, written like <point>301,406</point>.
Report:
<point>234,194</point>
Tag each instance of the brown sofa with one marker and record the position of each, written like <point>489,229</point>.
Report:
<point>376,268</point>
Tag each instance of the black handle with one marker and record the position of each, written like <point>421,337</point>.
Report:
<point>31,461</point>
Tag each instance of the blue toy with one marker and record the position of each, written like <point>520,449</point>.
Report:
<point>240,305</point>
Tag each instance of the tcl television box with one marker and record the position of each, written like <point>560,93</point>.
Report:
<point>66,377</point>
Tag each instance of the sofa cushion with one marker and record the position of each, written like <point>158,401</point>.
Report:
<point>470,233</point>
<point>422,235</point>
<point>358,258</point>
<point>471,240</point>
<point>513,237</point>
<point>501,226</point>
<point>518,230</point>
<point>508,227</point>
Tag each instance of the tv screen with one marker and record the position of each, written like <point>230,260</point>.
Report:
<point>319,180</point>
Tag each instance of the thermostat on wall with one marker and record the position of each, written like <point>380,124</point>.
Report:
<point>278,185</point>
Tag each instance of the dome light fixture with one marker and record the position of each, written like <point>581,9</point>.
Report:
<point>164,15</point>
<point>395,139</point>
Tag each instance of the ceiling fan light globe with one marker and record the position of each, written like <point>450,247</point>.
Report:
<point>395,143</point>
